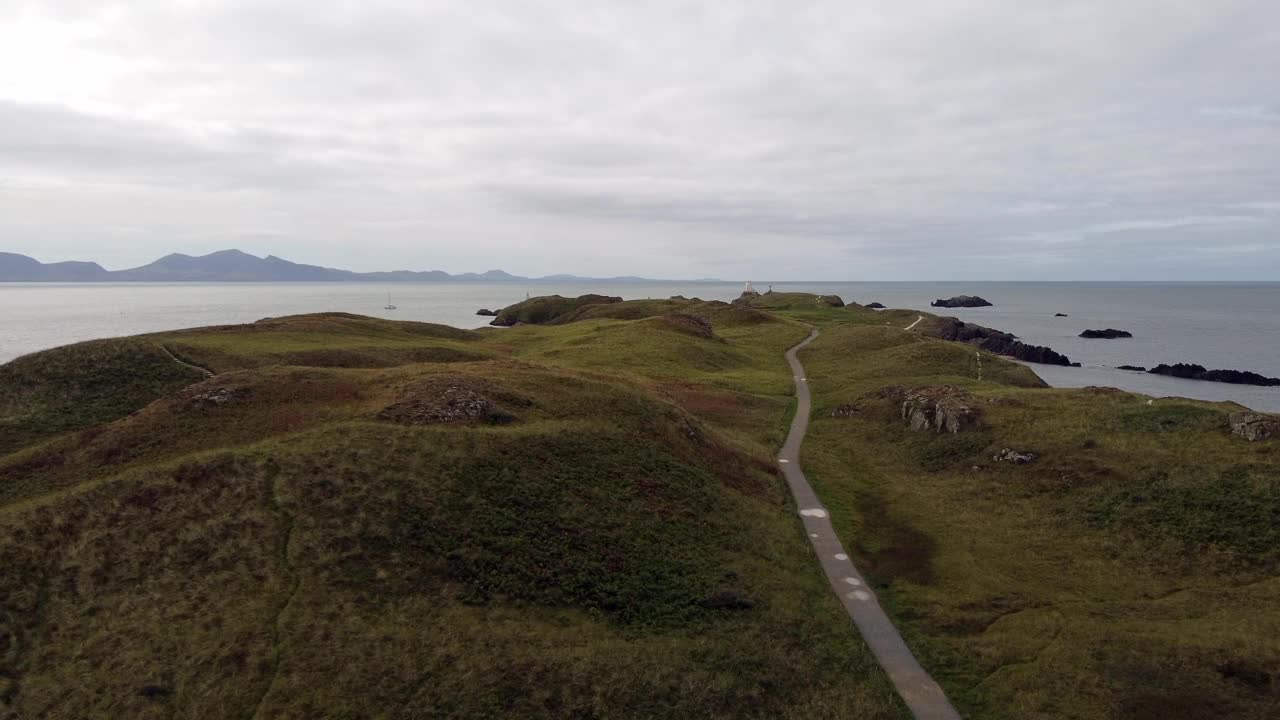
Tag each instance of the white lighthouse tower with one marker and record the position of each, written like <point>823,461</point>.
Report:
<point>748,288</point>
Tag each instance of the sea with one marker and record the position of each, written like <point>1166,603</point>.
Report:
<point>1219,325</point>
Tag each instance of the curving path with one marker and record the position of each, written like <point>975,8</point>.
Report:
<point>207,372</point>
<point>917,322</point>
<point>922,695</point>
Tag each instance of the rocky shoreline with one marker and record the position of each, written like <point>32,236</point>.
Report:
<point>1000,343</point>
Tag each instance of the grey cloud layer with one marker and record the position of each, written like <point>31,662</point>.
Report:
<point>987,138</point>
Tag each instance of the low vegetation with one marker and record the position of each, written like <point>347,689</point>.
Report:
<point>362,518</point>
<point>1131,570</point>
<point>579,516</point>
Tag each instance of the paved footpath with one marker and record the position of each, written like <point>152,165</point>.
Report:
<point>923,696</point>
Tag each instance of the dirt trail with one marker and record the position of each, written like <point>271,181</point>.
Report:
<point>207,372</point>
<point>922,695</point>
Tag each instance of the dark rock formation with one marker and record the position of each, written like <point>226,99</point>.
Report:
<point>1017,457</point>
<point>1060,315</point>
<point>1108,334</point>
<point>967,301</point>
<point>944,408</point>
<point>1198,372</point>
<point>1134,368</point>
<point>994,341</point>
<point>876,306</point>
<point>1254,426</point>
<point>830,301</point>
<point>487,312</point>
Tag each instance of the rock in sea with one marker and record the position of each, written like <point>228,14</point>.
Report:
<point>1108,334</point>
<point>967,301</point>
<point>1191,371</point>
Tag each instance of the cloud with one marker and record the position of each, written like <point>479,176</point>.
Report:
<point>1259,113</point>
<point>991,138</point>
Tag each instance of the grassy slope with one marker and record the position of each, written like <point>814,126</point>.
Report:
<point>288,554</point>
<point>1130,573</point>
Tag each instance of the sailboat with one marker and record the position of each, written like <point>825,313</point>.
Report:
<point>388,306</point>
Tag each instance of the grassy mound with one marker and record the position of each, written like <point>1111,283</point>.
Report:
<point>547,308</point>
<point>331,542</point>
<point>323,340</point>
<point>67,388</point>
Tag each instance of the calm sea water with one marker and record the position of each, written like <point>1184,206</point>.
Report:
<point>1218,325</point>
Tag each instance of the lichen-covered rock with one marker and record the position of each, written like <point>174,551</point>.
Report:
<point>446,399</point>
<point>944,408</point>
<point>1017,457</point>
<point>1253,426</point>
<point>218,396</point>
<point>845,410</point>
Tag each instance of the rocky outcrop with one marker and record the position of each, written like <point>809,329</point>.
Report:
<point>876,306</point>
<point>1108,334</point>
<point>1198,372</point>
<point>944,408</point>
<point>1253,426</point>
<point>1134,368</point>
<point>218,396</point>
<point>994,341</point>
<point>487,312</point>
<point>1017,457</point>
<point>1060,315</point>
<point>448,399</point>
<point>846,410</point>
<point>746,297</point>
<point>830,301</point>
<point>962,301</point>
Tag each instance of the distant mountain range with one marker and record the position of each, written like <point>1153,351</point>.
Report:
<point>237,266</point>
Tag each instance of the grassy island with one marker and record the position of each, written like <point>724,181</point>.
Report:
<point>335,516</point>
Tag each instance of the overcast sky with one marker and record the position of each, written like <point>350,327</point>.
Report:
<point>894,139</point>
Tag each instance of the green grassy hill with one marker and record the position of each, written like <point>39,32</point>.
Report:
<point>358,518</point>
<point>1131,571</point>
<point>580,517</point>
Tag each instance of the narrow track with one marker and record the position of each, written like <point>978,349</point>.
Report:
<point>922,695</point>
<point>207,372</point>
